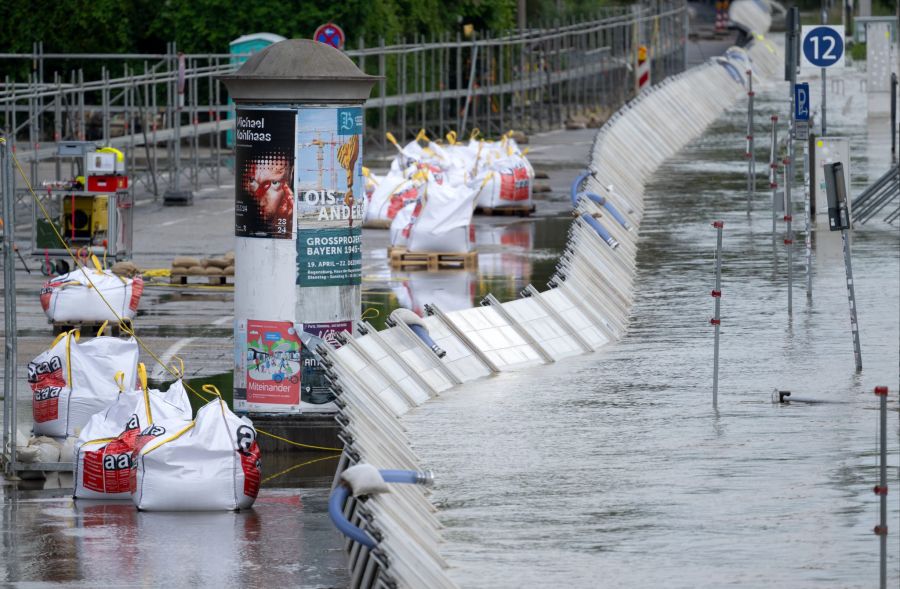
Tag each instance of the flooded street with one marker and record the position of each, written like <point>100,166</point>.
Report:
<point>285,540</point>
<point>609,469</point>
<point>613,469</point>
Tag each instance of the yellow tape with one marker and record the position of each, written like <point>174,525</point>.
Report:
<point>296,466</point>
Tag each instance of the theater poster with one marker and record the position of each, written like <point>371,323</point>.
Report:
<point>264,165</point>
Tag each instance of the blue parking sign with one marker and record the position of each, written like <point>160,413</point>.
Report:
<point>801,102</point>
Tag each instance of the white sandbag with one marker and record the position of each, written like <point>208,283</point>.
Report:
<point>73,296</point>
<point>211,464</point>
<point>507,181</point>
<point>73,380</point>
<point>104,450</point>
<point>401,225</point>
<point>442,220</point>
<point>392,194</point>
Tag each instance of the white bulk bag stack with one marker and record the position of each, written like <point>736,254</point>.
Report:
<point>442,220</point>
<point>73,296</point>
<point>73,380</point>
<point>105,446</point>
<point>211,464</point>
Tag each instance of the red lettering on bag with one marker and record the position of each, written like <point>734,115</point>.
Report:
<point>514,184</point>
<point>45,404</point>
<point>137,288</point>
<point>251,463</point>
<point>108,470</point>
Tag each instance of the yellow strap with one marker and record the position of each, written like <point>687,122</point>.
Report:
<point>119,379</point>
<point>177,435</point>
<point>390,137</point>
<point>526,150</point>
<point>366,171</point>
<point>366,314</point>
<point>421,135</point>
<point>97,264</point>
<point>99,441</point>
<point>142,375</point>
<point>451,137</point>
<point>179,371</point>
<point>102,327</point>
<point>475,133</point>
<point>59,337</point>
<point>70,334</point>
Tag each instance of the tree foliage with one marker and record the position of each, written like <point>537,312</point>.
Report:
<point>207,26</point>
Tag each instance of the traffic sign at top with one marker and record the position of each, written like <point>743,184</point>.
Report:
<point>822,46</point>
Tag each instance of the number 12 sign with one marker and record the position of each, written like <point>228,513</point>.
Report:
<point>822,46</point>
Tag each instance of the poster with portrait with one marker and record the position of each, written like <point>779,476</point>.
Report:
<point>329,181</point>
<point>273,361</point>
<point>264,166</point>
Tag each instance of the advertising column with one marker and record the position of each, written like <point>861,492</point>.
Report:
<point>299,205</point>
<point>267,348</point>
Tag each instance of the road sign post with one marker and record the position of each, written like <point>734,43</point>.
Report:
<point>823,47</point>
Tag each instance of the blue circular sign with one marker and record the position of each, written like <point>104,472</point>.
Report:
<point>823,47</point>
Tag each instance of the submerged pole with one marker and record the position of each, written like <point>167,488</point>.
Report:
<point>881,489</point>
<point>751,153</point>
<point>716,321</point>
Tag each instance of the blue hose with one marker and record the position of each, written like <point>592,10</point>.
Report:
<point>336,512</point>
<point>601,231</point>
<point>576,187</point>
<point>604,202</point>
<point>341,492</point>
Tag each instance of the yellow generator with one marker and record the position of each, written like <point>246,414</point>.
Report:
<point>91,213</point>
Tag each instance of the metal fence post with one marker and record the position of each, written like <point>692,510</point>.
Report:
<point>9,303</point>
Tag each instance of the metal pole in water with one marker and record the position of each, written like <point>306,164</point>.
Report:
<point>716,321</point>
<point>894,117</point>
<point>751,155</point>
<point>881,530</point>
<point>808,211</point>
<point>773,170</point>
<point>851,299</point>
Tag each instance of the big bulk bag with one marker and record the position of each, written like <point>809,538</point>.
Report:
<point>104,449</point>
<point>443,222</point>
<point>211,464</point>
<point>76,296</point>
<point>73,380</point>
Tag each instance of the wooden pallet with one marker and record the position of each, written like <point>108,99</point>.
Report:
<point>521,211</point>
<point>90,328</point>
<point>405,260</point>
<point>215,280</point>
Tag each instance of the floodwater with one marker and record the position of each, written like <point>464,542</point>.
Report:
<point>50,540</point>
<point>609,469</point>
<point>613,469</point>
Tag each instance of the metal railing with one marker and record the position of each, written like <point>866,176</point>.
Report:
<point>144,104</point>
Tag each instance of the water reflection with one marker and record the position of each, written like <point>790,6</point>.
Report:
<point>282,542</point>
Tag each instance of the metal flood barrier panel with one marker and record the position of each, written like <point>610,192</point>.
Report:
<point>379,376</point>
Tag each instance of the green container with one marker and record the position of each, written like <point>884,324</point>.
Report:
<point>243,45</point>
